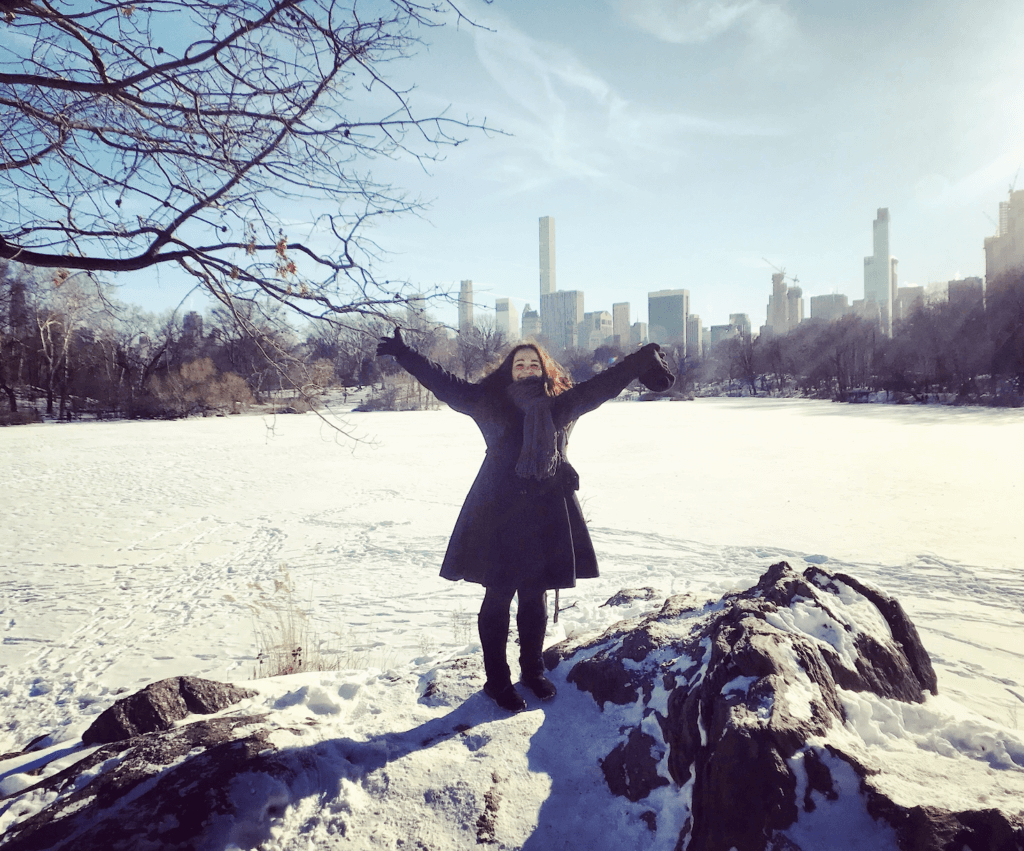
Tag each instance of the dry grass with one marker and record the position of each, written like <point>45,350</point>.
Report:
<point>285,642</point>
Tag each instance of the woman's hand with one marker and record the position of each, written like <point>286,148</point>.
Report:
<point>649,353</point>
<point>654,372</point>
<point>393,346</point>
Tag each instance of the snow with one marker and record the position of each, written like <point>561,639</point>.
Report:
<point>838,825</point>
<point>137,551</point>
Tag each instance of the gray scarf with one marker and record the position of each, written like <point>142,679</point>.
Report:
<point>538,458</point>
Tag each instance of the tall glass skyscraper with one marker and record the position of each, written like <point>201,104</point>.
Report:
<point>666,316</point>
<point>547,257</point>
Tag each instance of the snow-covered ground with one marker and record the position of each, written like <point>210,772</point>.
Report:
<point>136,551</point>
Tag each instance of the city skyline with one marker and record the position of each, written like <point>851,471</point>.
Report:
<point>701,145</point>
<point>883,299</point>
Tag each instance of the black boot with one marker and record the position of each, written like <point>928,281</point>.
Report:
<point>492,624</point>
<point>532,620</point>
<point>505,696</point>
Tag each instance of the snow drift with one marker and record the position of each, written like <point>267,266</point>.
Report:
<point>749,722</point>
<point>738,709</point>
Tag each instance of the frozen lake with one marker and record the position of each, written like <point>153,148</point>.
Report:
<point>134,551</point>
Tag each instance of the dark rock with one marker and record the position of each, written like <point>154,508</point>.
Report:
<point>168,790</point>
<point>159,705</point>
<point>747,689</point>
<point>631,595</point>
<point>924,828</point>
<point>631,769</point>
<point>903,630</point>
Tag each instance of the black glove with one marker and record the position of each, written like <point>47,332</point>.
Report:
<point>393,346</point>
<point>654,372</point>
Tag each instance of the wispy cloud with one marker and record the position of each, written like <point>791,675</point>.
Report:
<point>571,123</point>
<point>695,21</point>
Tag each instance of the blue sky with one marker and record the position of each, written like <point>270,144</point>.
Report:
<point>679,143</point>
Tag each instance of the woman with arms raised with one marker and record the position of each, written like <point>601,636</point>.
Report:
<point>521,530</point>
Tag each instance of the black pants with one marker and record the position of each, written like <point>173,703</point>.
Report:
<point>493,622</point>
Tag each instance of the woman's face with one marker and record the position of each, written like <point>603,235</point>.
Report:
<point>526,364</point>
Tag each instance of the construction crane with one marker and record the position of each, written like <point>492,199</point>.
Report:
<point>782,272</point>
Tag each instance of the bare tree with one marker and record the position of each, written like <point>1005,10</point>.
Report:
<point>479,347</point>
<point>189,132</point>
<point>63,319</point>
<point>741,357</point>
<point>15,327</point>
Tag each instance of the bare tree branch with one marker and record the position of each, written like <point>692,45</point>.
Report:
<point>190,132</point>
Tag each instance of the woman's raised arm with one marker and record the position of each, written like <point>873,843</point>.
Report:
<point>648,364</point>
<point>457,393</point>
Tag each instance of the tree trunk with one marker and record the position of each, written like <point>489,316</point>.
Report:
<point>12,403</point>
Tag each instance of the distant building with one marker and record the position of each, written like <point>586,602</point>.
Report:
<point>796,306</point>
<point>638,335</point>
<point>880,272</point>
<point>192,326</point>
<point>547,258</point>
<point>561,313</point>
<point>829,308</point>
<point>967,294</point>
<point>785,307</point>
<point>909,300</point>
<point>465,307</point>
<point>1004,253</point>
<point>506,318</point>
<point>595,330</point>
<point>666,315</point>
<point>869,310</point>
<point>531,323</point>
<point>723,332</point>
<point>416,310</point>
<point>742,322</point>
<point>694,337</point>
<point>620,324</point>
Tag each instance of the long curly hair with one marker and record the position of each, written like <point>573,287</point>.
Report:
<point>556,378</point>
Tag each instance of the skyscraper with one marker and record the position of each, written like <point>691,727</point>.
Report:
<point>192,326</point>
<point>561,313</point>
<point>506,318</point>
<point>595,330</point>
<point>620,324</point>
<point>694,337</point>
<point>1004,254</point>
<point>666,315</point>
<point>416,311</point>
<point>880,271</point>
<point>547,258</point>
<point>465,307</point>
<point>531,323</point>
<point>785,306</point>
<point>829,308</point>
<point>742,321</point>
<point>795,297</point>
<point>966,294</point>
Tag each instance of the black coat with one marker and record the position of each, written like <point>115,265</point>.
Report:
<point>514,532</point>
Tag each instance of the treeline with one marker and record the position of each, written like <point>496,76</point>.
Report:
<point>69,349</point>
<point>954,352</point>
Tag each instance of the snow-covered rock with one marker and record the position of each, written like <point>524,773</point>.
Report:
<point>159,705</point>
<point>796,715</point>
<point>739,709</point>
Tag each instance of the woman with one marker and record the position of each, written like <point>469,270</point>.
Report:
<point>521,530</point>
